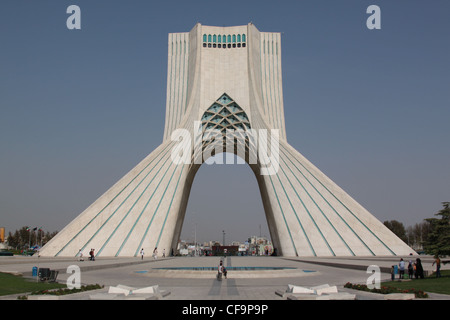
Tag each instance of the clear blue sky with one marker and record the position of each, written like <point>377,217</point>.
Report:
<point>79,109</point>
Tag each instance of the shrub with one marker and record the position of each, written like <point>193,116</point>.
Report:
<point>386,290</point>
<point>63,291</point>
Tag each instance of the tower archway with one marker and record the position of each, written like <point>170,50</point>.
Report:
<point>210,90</point>
<point>225,128</point>
<point>224,197</point>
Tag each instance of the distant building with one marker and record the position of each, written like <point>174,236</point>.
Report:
<point>225,250</point>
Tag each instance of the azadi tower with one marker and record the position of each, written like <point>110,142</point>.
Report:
<point>224,89</point>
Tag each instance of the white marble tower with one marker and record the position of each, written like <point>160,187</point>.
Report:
<point>225,78</point>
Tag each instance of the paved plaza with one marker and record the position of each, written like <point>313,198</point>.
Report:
<point>249,278</point>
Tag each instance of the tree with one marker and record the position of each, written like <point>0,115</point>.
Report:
<point>397,228</point>
<point>13,239</point>
<point>48,236</point>
<point>438,242</point>
<point>26,237</point>
<point>418,234</point>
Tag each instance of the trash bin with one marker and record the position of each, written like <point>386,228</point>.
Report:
<point>44,274</point>
<point>35,271</point>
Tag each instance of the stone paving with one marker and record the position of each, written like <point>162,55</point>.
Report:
<point>185,284</point>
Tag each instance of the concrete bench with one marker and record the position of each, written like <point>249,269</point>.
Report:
<point>130,293</point>
<point>322,292</point>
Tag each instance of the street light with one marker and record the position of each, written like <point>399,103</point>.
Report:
<point>223,231</point>
<point>195,239</point>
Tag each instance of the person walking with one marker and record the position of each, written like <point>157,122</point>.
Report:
<point>91,255</point>
<point>155,253</point>
<point>80,255</point>
<point>142,254</point>
<point>437,261</point>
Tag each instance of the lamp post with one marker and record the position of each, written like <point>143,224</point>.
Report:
<point>223,231</point>
<point>195,240</point>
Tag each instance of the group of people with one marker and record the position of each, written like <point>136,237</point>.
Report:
<point>221,271</point>
<point>414,269</point>
<point>91,255</point>
<point>155,253</point>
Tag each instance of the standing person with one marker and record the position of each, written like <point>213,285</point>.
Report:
<point>402,268</point>
<point>410,269</point>
<point>155,253</point>
<point>142,254</point>
<point>392,273</point>
<point>164,253</point>
<point>437,261</point>
<point>419,269</point>
<point>220,270</point>
<point>80,255</point>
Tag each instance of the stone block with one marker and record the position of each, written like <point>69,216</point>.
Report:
<point>337,296</point>
<point>120,289</point>
<point>299,289</point>
<point>125,287</point>
<point>141,297</point>
<point>152,289</point>
<point>301,296</point>
<point>105,296</point>
<point>319,290</point>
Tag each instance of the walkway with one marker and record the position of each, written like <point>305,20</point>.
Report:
<point>203,285</point>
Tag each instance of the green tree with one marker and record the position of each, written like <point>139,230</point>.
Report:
<point>397,228</point>
<point>13,239</point>
<point>24,237</point>
<point>438,240</point>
